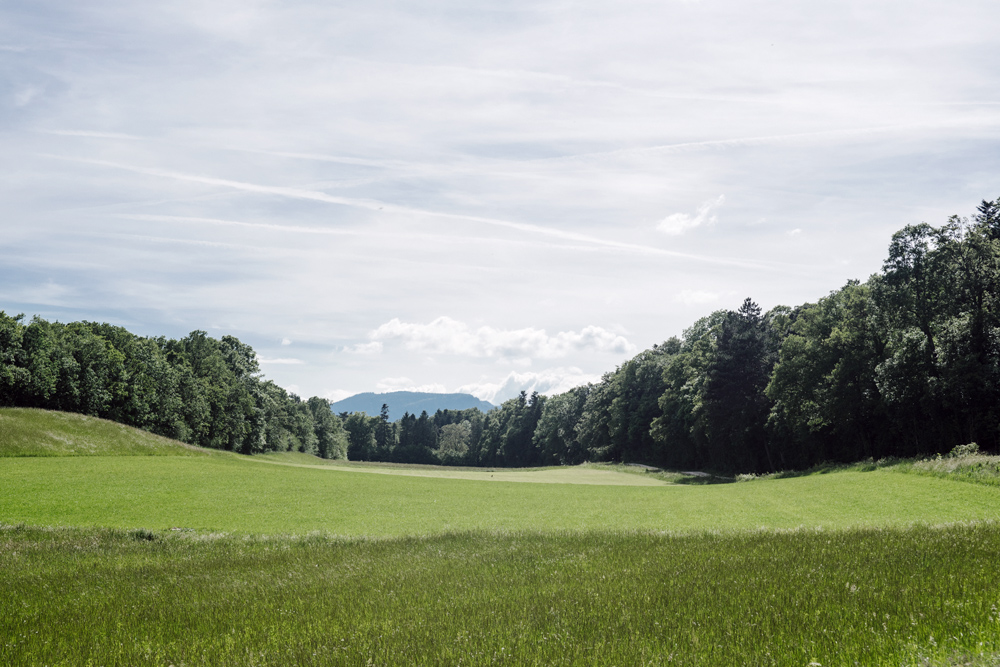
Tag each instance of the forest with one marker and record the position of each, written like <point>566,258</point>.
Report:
<point>197,389</point>
<point>906,363</point>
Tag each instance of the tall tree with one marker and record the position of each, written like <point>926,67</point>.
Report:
<point>384,434</point>
<point>736,404</point>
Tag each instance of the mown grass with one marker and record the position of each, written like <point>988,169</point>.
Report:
<point>605,475</point>
<point>231,494</point>
<point>860,596</point>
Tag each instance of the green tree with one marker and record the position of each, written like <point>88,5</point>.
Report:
<point>453,443</point>
<point>555,436</point>
<point>735,402</point>
<point>360,430</point>
<point>384,434</point>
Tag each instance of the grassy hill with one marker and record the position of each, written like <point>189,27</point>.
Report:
<point>31,432</point>
<point>197,557</point>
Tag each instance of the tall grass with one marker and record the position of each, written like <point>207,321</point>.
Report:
<point>864,596</point>
<point>32,432</point>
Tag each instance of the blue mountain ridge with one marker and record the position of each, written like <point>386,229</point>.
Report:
<point>413,402</point>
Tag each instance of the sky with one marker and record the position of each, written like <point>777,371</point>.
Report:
<point>484,197</point>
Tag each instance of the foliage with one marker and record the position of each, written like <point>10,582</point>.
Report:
<point>905,364</point>
<point>197,389</point>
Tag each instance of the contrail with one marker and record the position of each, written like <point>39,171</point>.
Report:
<point>375,205</point>
<point>735,142</point>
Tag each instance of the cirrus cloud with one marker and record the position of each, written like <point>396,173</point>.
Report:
<point>280,362</point>
<point>374,347</point>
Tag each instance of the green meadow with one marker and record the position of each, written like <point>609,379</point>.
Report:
<point>120,548</point>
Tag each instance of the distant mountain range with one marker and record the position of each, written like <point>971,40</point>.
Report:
<point>413,402</point>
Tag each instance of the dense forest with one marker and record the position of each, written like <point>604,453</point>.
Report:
<point>197,389</point>
<point>906,363</point>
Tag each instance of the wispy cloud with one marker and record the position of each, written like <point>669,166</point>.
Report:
<point>94,134</point>
<point>697,296</point>
<point>375,205</point>
<point>295,229</point>
<point>280,362</point>
<point>373,347</point>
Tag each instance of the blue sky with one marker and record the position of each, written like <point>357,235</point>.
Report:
<point>478,197</point>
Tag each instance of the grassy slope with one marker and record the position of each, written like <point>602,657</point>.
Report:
<point>30,432</point>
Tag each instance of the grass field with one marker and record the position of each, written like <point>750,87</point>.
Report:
<point>851,597</point>
<point>191,557</point>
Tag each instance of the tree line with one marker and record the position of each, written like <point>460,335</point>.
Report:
<point>906,363</point>
<point>197,389</point>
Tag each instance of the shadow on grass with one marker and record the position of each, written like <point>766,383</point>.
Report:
<point>820,469</point>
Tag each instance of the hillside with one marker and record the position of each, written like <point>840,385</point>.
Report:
<point>413,402</point>
<point>33,432</point>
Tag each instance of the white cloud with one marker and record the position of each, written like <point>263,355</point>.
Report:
<point>279,362</point>
<point>794,232</point>
<point>374,347</point>
<point>334,395</point>
<point>550,381</point>
<point>406,384</point>
<point>678,223</point>
<point>286,341</point>
<point>449,336</point>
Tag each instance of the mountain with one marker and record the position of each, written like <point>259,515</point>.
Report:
<point>413,402</point>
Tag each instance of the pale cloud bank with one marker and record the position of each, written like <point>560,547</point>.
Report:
<point>550,382</point>
<point>678,223</point>
<point>449,336</point>
<point>334,395</point>
<point>406,384</point>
